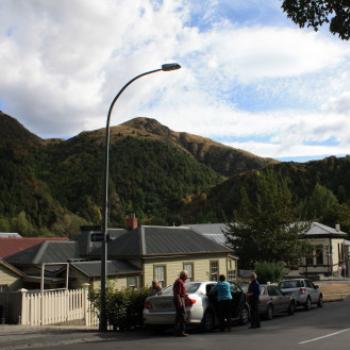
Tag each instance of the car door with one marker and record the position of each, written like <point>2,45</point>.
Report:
<point>237,299</point>
<point>314,293</point>
<point>277,298</point>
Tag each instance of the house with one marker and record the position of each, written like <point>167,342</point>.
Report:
<point>49,258</point>
<point>10,277</point>
<point>136,257</point>
<point>329,254</point>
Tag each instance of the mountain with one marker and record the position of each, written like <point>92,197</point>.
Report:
<point>225,160</point>
<point>332,173</point>
<point>56,185</point>
<point>165,177</point>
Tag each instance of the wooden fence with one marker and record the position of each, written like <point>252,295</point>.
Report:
<point>52,306</point>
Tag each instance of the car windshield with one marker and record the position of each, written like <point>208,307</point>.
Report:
<point>290,284</point>
<point>191,287</point>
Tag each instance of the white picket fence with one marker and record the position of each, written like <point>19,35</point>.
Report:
<point>55,306</point>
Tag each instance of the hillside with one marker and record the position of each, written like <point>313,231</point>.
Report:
<point>165,177</point>
<point>220,202</point>
<point>55,185</point>
<point>223,159</point>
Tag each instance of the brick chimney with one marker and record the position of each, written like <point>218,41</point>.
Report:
<point>131,222</point>
<point>337,227</point>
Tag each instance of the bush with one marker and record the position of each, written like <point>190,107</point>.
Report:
<point>124,307</point>
<point>269,271</point>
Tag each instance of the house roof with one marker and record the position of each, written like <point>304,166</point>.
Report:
<point>10,234</point>
<point>11,268</point>
<point>212,231</point>
<point>46,252</point>
<point>12,245</point>
<point>320,230</point>
<point>163,240</point>
<point>114,267</point>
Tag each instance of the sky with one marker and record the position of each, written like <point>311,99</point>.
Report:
<point>250,78</point>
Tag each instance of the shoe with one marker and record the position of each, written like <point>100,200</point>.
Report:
<point>182,335</point>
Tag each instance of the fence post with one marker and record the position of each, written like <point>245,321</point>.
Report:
<point>86,302</point>
<point>24,307</point>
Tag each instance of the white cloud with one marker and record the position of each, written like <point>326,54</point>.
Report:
<point>63,62</point>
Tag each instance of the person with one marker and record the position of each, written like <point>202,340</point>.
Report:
<point>224,298</point>
<point>155,289</point>
<point>180,296</point>
<point>253,298</point>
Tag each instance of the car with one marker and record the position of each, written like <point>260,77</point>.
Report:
<point>304,291</point>
<point>201,306</point>
<point>273,301</point>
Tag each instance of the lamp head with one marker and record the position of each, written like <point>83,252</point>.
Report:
<point>170,66</point>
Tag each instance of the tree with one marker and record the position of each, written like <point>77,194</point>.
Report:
<point>266,226</point>
<point>314,13</point>
<point>322,205</point>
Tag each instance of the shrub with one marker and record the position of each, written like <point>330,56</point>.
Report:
<point>269,271</point>
<point>124,307</point>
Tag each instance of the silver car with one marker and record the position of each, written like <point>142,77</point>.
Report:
<point>304,291</point>
<point>273,301</point>
<point>201,307</point>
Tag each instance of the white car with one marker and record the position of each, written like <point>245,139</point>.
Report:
<point>201,310</point>
<point>304,291</point>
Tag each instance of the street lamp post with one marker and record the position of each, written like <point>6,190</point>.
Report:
<point>103,310</point>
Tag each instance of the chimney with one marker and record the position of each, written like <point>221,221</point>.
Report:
<point>337,227</point>
<point>131,222</point>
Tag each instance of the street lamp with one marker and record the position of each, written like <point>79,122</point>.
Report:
<point>103,313</point>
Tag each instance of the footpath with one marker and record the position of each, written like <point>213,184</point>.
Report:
<point>14,337</point>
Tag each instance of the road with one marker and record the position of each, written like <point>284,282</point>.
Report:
<point>326,328</point>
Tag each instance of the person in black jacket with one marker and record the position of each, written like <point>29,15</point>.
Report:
<point>253,297</point>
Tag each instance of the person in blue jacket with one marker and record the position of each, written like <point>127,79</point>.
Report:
<point>223,294</point>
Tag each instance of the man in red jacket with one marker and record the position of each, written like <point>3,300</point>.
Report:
<point>180,296</point>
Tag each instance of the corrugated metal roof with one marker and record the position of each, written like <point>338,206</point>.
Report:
<point>114,267</point>
<point>163,240</point>
<point>46,252</point>
<point>320,229</point>
<point>12,245</point>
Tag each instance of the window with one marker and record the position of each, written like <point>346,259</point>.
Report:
<point>231,275</point>
<point>290,284</point>
<point>132,282</point>
<point>159,274</point>
<point>319,255</point>
<point>214,270</point>
<point>310,258</point>
<point>188,266</point>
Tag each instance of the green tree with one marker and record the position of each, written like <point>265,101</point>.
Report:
<point>266,226</point>
<point>315,13</point>
<point>322,205</point>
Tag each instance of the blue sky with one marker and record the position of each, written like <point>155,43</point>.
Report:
<point>250,78</point>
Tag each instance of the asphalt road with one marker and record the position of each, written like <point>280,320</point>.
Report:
<point>326,328</point>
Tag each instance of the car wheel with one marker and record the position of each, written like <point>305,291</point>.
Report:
<point>244,316</point>
<point>308,304</point>
<point>208,321</point>
<point>269,312</point>
<point>291,308</point>
<point>320,301</point>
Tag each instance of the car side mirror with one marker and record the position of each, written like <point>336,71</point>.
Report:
<point>317,287</point>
